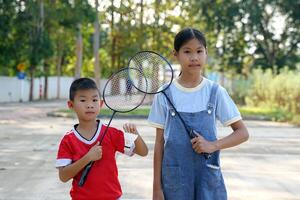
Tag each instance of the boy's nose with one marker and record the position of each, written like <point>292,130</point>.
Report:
<point>90,106</point>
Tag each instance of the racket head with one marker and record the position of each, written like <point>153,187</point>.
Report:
<point>156,69</point>
<point>119,96</point>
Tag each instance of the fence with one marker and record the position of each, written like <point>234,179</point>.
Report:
<point>15,90</point>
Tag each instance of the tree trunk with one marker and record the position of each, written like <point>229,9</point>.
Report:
<point>47,68</point>
<point>141,25</point>
<point>31,85</point>
<point>116,87</point>
<point>79,46</point>
<point>97,69</point>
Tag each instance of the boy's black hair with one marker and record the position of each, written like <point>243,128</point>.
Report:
<point>186,35</point>
<point>82,84</point>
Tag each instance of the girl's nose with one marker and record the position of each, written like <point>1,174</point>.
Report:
<point>194,57</point>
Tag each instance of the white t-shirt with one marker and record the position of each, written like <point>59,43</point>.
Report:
<point>193,100</point>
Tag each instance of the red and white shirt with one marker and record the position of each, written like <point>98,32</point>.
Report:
<point>102,181</point>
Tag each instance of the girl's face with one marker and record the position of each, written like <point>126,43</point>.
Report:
<point>192,56</point>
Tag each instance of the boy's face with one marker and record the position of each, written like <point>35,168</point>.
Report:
<point>86,104</point>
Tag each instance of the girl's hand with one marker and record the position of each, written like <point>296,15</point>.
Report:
<point>200,145</point>
<point>130,128</point>
<point>95,153</point>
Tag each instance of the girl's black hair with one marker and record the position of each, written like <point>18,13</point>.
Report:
<point>186,35</point>
<point>82,84</point>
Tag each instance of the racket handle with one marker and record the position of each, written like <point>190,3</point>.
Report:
<point>193,134</point>
<point>84,174</point>
<point>206,155</point>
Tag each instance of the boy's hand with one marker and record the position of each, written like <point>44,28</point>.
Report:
<point>130,128</point>
<point>95,153</point>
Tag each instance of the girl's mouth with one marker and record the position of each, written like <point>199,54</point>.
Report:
<point>194,65</point>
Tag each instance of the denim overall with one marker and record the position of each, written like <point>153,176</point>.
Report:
<point>187,175</point>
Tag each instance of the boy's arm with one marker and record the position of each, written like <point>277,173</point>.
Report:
<point>140,146</point>
<point>158,155</point>
<point>68,172</point>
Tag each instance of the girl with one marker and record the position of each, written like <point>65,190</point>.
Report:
<point>181,171</point>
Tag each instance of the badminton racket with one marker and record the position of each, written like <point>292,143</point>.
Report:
<point>159,73</point>
<point>114,97</point>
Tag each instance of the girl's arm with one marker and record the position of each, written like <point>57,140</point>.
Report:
<point>158,155</point>
<point>68,172</point>
<point>239,135</point>
<point>140,146</point>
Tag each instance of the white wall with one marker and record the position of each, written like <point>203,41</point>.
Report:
<point>13,90</point>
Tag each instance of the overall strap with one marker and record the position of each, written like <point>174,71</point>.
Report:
<point>212,99</point>
<point>168,93</point>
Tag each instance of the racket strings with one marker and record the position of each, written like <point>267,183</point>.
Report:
<point>155,68</point>
<point>119,93</point>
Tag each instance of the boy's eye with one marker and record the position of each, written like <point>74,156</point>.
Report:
<point>186,51</point>
<point>82,100</point>
<point>199,51</point>
<point>95,100</point>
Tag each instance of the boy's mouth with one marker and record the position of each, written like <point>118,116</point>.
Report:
<point>89,112</point>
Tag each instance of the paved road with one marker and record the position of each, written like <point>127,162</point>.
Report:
<point>266,167</point>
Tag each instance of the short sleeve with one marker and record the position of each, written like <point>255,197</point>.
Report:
<point>157,115</point>
<point>118,140</point>
<point>64,154</point>
<point>226,110</point>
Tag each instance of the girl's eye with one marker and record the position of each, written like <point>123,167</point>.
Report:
<point>82,100</point>
<point>200,51</point>
<point>186,51</point>
<point>95,100</point>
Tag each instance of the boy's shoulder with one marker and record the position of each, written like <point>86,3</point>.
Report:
<point>68,134</point>
<point>112,129</point>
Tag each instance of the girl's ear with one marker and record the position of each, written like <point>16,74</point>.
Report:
<point>70,104</point>
<point>175,53</point>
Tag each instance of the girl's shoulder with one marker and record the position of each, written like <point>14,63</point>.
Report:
<point>205,86</point>
<point>210,84</point>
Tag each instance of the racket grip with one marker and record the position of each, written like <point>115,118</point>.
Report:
<point>206,155</point>
<point>193,134</point>
<point>84,174</point>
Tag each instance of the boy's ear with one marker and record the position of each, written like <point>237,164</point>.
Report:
<point>101,103</point>
<point>70,104</point>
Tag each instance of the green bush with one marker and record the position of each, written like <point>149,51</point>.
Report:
<point>281,91</point>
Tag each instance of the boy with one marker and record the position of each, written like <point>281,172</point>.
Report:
<point>80,146</point>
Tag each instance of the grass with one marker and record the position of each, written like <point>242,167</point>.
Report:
<point>272,114</point>
<point>139,112</point>
<point>108,112</point>
<point>246,112</point>
<point>266,113</point>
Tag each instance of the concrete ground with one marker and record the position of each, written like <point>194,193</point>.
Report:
<point>266,167</point>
